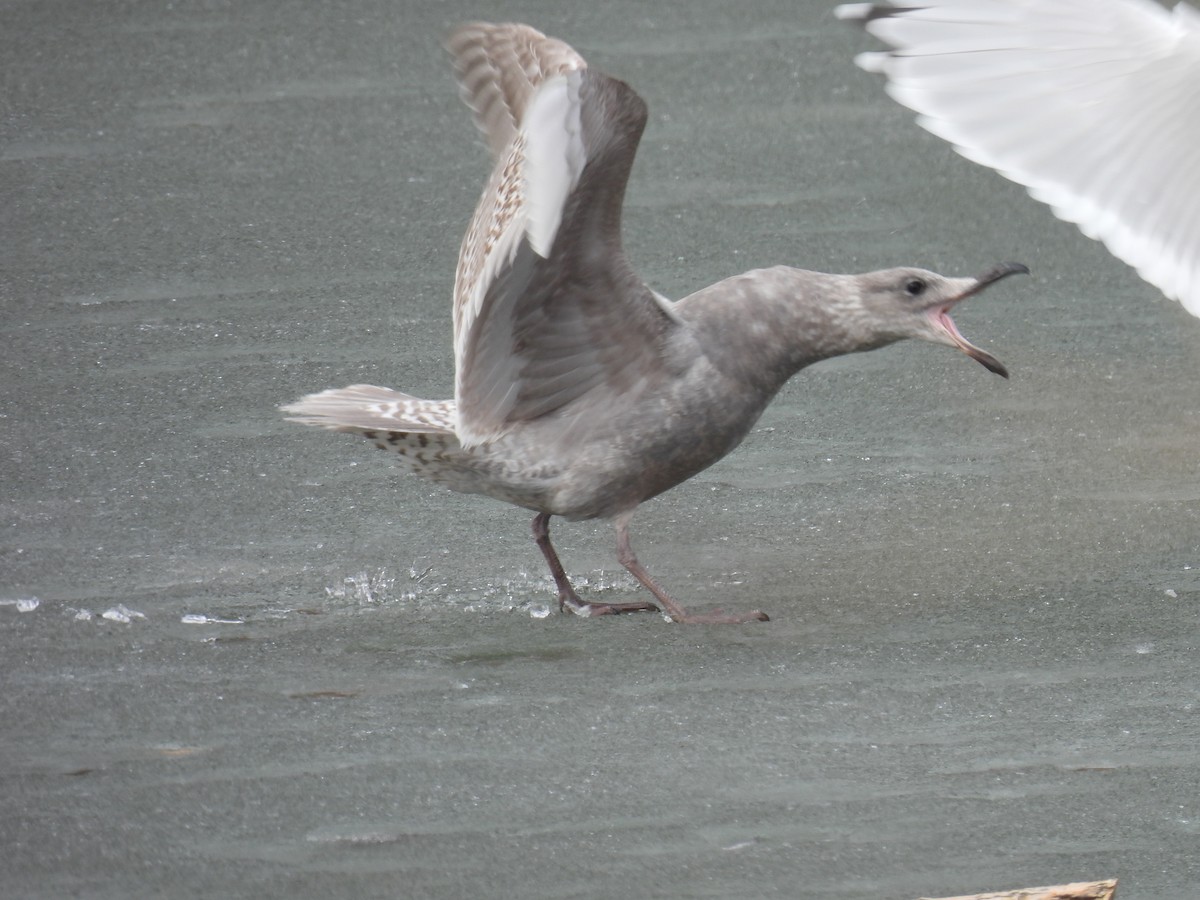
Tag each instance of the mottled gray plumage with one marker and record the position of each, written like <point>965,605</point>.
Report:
<point>579,391</point>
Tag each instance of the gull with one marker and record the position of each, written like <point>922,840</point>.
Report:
<point>1092,105</point>
<point>580,392</point>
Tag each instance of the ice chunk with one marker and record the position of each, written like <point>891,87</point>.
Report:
<point>200,619</point>
<point>23,604</point>
<point>122,613</point>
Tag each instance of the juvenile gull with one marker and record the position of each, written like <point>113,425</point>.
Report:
<point>579,392</point>
<point>1093,105</point>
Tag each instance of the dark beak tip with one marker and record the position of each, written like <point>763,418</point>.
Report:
<point>994,365</point>
<point>1003,271</point>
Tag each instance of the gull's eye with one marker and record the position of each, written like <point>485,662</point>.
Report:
<point>914,287</point>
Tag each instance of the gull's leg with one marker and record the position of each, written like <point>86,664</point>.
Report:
<point>567,598</point>
<point>674,610</point>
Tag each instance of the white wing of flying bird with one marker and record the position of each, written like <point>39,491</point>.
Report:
<point>536,329</point>
<point>1093,105</point>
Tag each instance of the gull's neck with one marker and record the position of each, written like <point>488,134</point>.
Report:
<point>764,326</point>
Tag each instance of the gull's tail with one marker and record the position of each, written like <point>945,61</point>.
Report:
<point>373,412</point>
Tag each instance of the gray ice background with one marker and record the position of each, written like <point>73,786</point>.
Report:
<point>335,681</point>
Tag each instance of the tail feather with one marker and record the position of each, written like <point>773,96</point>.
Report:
<point>364,408</point>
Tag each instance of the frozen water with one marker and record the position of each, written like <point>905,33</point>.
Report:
<point>22,604</point>
<point>364,587</point>
<point>949,697</point>
<point>121,613</point>
<point>200,619</point>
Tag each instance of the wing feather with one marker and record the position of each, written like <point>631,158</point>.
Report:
<point>513,78</point>
<point>547,307</point>
<point>499,69</point>
<point>1091,104</point>
<point>367,406</point>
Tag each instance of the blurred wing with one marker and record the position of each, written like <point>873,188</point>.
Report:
<point>1093,105</point>
<point>546,306</point>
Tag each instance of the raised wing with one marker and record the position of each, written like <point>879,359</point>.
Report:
<point>1093,105</point>
<point>499,68</point>
<point>546,305</point>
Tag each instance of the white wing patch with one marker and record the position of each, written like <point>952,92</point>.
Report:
<point>555,157</point>
<point>1091,104</point>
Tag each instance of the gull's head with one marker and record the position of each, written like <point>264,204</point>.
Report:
<point>914,303</point>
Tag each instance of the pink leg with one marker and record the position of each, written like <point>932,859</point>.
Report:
<point>674,610</point>
<point>567,598</point>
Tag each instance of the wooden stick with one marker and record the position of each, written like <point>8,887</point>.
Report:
<point>1080,890</point>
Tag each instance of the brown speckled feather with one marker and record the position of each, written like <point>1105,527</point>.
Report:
<point>541,318</point>
<point>498,69</point>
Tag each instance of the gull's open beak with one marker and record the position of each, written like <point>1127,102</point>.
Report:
<point>940,315</point>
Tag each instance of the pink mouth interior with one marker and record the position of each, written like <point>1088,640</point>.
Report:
<point>942,317</point>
